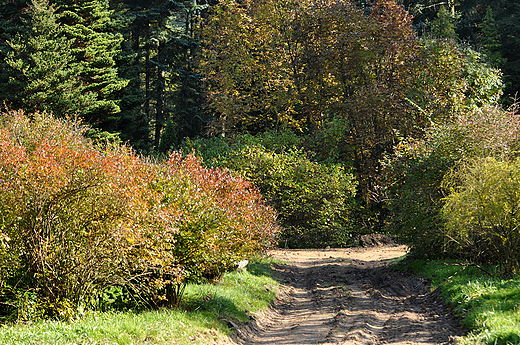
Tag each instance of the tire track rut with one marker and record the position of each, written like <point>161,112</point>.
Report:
<point>351,297</point>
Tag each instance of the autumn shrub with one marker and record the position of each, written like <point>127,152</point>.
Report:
<point>220,220</point>
<point>69,211</point>
<point>482,211</point>
<point>414,172</point>
<point>77,218</point>
<point>204,222</point>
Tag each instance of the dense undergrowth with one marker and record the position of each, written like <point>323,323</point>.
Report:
<point>452,193</point>
<point>315,199</point>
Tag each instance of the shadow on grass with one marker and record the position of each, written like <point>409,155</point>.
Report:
<point>488,305</point>
<point>236,295</point>
<point>510,338</point>
<point>216,305</point>
<point>263,268</point>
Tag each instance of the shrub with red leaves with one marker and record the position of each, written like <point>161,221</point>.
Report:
<point>76,218</point>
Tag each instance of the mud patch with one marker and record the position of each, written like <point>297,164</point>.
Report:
<point>374,240</point>
<point>351,296</point>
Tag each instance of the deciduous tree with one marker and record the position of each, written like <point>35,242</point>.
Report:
<point>251,66</point>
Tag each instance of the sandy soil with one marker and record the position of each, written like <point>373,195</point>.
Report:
<point>350,296</point>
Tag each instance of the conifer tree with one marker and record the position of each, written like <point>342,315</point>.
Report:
<point>10,25</point>
<point>172,84</point>
<point>507,16</point>
<point>444,25</point>
<point>38,68</point>
<point>61,57</point>
<point>164,94</point>
<point>134,123</point>
<point>490,39</point>
<point>9,21</point>
<point>96,43</point>
<point>187,113</point>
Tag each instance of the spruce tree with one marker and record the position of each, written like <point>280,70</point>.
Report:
<point>444,25</point>
<point>10,21</point>
<point>490,39</point>
<point>160,46</point>
<point>37,68</point>
<point>142,100</point>
<point>188,114</point>
<point>10,25</point>
<point>507,16</point>
<point>95,45</point>
<point>134,124</point>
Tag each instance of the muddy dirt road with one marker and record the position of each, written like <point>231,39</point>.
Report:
<point>351,296</point>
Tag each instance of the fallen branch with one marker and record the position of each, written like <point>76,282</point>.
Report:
<point>231,324</point>
<point>9,305</point>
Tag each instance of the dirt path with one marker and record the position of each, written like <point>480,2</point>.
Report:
<point>351,296</point>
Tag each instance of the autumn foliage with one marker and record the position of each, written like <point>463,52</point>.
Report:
<point>76,218</point>
<point>304,64</point>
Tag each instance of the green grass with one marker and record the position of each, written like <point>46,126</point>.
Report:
<point>488,306</point>
<point>200,321</point>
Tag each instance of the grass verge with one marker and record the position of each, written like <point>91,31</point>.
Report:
<point>200,321</point>
<point>489,306</point>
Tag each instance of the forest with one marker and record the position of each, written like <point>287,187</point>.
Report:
<point>180,137</point>
<point>133,69</point>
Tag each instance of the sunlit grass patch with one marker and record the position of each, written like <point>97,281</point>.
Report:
<point>237,295</point>
<point>201,321</point>
<point>488,306</point>
<point>161,327</point>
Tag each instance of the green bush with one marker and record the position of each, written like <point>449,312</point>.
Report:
<point>314,201</point>
<point>215,151</point>
<point>331,142</point>
<point>482,211</point>
<point>413,174</point>
<point>456,80</point>
<point>412,179</point>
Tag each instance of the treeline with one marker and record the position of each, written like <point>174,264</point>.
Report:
<point>416,118</point>
<point>126,67</point>
<point>491,27</point>
<point>131,68</point>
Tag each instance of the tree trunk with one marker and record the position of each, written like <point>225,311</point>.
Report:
<point>160,113</point>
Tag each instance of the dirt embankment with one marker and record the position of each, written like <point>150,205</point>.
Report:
<point>351,296</point>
